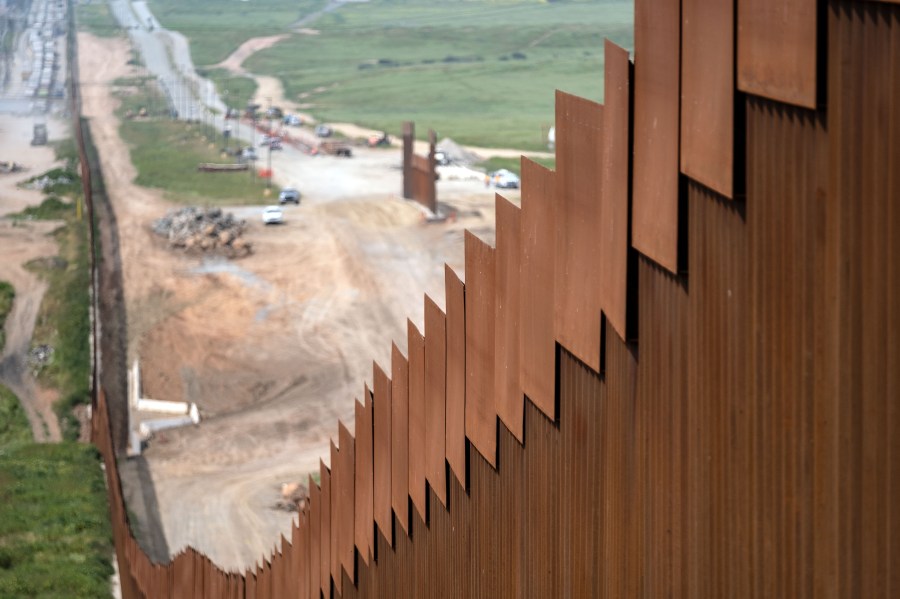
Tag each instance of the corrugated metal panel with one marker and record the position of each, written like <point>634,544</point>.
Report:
<point>579,170</point>
<point>613,220</point>
<point>345,490</point>
<point>863,126</point>
<point>315,538</point>
<point>364,479</point>
<point>508,395</point>
<point>537,343</point>
<point>301,554</point>
<point>326,530</point>
<point>481,413</point>
<point>707,93</point>
<point>416,349</point>
<point>456,374</point>
<point>382,447</point>
<point>400,438</point>
<point>657,47</point>
<point>435,398</point>
<point>748,447</point>
<point>776,50</point>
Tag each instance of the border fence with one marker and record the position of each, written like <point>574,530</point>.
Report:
<point>677,373</point>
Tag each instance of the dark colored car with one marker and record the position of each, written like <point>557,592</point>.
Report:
<point>289,194</point>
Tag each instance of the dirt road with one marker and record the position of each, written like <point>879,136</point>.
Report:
<point>273,347</point>
<point>20,242</point>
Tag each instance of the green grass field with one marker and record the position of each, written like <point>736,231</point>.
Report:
<point>55,537</point>
<point>236,91</point>
<point>166,154</point>
<point>482,72</point>
<point>217,27</point>
<point>95,18</point>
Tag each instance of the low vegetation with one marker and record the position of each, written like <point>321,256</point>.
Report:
<point>7,295</point>
<point>166,153</point>
<point>55,538</point>
<point>236,91</point>
<point>482,73</point>
<point>96,18</point>
<point>63,321</point>
<point>217,27</point>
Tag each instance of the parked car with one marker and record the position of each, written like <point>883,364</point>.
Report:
<point>323,131</point>
<point>504,179</point>
<point>289,194</point>
<point>292,120</point>
<point>273,215</point>
<point>249,153</point>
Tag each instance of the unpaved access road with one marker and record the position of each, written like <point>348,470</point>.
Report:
<point>274,347</point>
<point>21,242</point>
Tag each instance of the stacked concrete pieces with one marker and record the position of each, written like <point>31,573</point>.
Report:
<point>203,229</point>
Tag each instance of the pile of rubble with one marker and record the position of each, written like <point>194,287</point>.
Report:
<point>203,229</point>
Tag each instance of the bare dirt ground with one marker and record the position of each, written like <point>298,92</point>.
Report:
<point>274,347</point>
<point>21,242</point>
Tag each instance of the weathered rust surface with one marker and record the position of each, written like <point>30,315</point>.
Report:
<point>481,413</point>
<point>315,537</point>
<point>345,490</point>
<point>301,554</point>
<point>508,395</point>
<point>776,50</point>
<point>400,437</point>
<point>657,50</point>
<point>749,446</point>
<point>707,94</point>
<point>337,476</point>
<point>537,343</point>
<point>456,374</point>
<point>364,479</point>
<point>416,349</point>
<point>435,398</point>
<point>613,228</point>
<point>327,526</point>
<point>382,447</point>
<point>579,146</point>
<point>419,172</point>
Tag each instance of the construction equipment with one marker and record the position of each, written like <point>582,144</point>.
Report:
<point>39,137</point>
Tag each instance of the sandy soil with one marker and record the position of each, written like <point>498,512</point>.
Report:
<point>273,347</point>
<point>21,242</point>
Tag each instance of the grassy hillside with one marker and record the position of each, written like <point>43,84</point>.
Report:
<point>55,538</point>
<point>481,72</point>
<point>217,27</point>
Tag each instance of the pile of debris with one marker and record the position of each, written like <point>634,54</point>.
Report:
<point>11,167</point>
<point>38,357</point>
<point>203,229</point>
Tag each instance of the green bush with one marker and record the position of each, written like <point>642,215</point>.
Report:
<point>7,295</point>
<point>52,208</point>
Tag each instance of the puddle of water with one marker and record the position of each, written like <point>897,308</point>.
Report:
<point>211,266</point>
